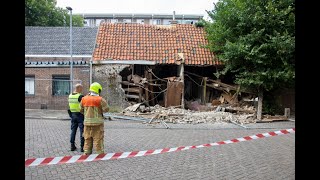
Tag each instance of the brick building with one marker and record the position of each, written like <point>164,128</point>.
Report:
<point>48,64</point>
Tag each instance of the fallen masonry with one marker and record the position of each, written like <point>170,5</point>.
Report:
<point>183,116</point>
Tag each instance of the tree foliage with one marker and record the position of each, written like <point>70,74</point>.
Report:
<point>255,39</point>
<point>45,13</point>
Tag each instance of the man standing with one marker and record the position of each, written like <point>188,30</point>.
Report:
<point>76,116</point>
<point>93,106</point>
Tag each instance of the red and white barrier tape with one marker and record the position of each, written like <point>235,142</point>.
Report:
<point>119,155</point>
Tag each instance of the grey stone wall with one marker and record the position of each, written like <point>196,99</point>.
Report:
<point>110,80</point>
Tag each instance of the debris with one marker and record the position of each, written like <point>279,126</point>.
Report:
<point>196,106</point>
<point>134,78</point>
<point>188,116</point>
<point>215,102</point>
<point>124,117</point>
<point>133,108</point>
<point>229,98</point>
<point>268,118</point>
<point>238,109</point>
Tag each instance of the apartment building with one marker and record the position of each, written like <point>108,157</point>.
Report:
<point>93,20</point>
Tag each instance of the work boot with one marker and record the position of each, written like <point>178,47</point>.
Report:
<point>73,147</point>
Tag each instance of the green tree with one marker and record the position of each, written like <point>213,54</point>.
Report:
<point>45,13</point>
<point>255,39</point>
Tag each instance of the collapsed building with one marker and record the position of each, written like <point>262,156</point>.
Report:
<point>153,64</point>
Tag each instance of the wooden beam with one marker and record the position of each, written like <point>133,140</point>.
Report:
<point>131,84</point>
<point>204,90</point>
<point>132,96</point>
<point>224,86</point>
<point>287,112</point>
<point>151,89</point>
<point>135,90</point>
<point>146,88</point>
<point>193,74</point>
<point>182,79</point>
<point>235,110</point>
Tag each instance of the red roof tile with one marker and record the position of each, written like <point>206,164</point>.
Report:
<point>151,42</point>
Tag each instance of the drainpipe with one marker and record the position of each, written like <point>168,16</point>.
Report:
<point>90,71</point>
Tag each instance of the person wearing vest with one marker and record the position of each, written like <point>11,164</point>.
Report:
<point>76,117</point>
<point>93,106</point>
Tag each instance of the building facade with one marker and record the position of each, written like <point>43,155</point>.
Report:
<point>48,64</point>
<point>93,20</point>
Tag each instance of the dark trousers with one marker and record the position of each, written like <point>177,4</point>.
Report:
<point>76,121</point>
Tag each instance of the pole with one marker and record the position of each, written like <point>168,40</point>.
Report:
<point>260,100</point>
<point>71,61</point>
<point>90,79</point>
<point>181,74</point>
<point>204,90</point>
<point>182,79</point>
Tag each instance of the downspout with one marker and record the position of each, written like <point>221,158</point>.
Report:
<point>91,59</point>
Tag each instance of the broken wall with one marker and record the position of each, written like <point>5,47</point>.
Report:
<point>109,77</point>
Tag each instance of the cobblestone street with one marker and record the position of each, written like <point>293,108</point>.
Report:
<point>266,158</point>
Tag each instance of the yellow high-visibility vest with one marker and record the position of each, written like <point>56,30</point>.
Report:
<point>74,104</point>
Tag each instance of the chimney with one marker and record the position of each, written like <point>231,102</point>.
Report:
<point>174,18</point>
<point>174,14</point>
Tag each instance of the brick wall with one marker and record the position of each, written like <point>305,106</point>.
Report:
<point>43,88</point>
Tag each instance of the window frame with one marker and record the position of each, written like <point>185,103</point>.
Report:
<point>114,21</point>
<point>32,77</point>
<point>62,77</point>
<point>141,21</point>
<point>129,20</point>
<point>156,20</point>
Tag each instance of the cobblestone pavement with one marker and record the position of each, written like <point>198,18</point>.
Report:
<point>267,158</point>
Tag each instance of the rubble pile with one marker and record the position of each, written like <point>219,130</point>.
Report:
<point>184,116</point>
<point>220,103</point>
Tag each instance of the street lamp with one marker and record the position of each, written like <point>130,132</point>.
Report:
<point>71,62</point>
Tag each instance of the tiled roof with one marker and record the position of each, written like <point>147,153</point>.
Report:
<point>56,40</point>
<point>153,43</point>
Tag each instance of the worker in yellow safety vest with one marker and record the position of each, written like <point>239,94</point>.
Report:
<point>76,117</point>
<point>93,106</point>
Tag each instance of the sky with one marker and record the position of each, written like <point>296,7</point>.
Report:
<point>139,6</point>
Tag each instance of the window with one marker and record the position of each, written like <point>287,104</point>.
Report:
<point>114,20</point>
<point>140,21</point>
<point>86,22</point>
<point>29,85</point>
<point>190,21</point>
<point>98,21</point>
<point>60,85</point>
<point>166,21</point>
<point>126,20</point>
<point>156,21</point>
